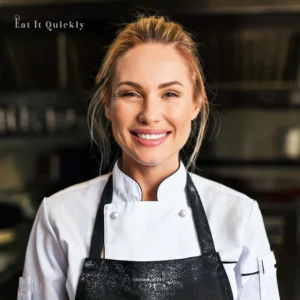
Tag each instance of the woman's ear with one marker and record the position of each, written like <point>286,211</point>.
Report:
<point>107,110</point>
<point>196,108</point>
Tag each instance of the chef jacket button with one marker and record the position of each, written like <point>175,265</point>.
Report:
<point>114,215</point>
<point>182,213</point>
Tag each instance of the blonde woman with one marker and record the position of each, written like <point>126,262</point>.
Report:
<point>150,229</point>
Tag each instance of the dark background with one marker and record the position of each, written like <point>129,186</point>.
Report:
<point>251,59</point>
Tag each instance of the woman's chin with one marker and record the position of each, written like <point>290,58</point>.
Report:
<point>150,160</point>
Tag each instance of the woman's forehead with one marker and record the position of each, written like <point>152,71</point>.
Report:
<point>153,63</point>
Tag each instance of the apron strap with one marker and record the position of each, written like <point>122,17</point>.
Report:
<point>200,219</point>
<point>98,232</point>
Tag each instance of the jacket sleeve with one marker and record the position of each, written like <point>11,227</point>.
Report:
<point>45,268</point>
<point>256,268</point>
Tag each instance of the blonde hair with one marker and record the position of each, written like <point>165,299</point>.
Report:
<point>152,29</point>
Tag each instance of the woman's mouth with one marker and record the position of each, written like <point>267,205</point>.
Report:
<point>150,136</point>
<point>146,139</point>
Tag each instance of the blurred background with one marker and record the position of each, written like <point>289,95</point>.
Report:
<point>251,59</point>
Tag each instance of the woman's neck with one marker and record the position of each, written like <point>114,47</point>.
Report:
<point>148,177</point>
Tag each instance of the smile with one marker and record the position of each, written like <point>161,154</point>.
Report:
<point>151,136</point>
<point>150,139</point>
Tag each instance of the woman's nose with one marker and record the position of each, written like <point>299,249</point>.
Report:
<point>150,112</point>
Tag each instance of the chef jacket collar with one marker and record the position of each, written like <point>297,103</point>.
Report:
<point>129,190</point>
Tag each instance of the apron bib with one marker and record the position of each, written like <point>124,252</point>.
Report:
<point>194,278</point>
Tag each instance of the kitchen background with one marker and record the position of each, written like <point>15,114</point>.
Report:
<point>251,58</point>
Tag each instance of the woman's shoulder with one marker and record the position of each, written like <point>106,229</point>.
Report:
<point>83,192</point>
<point>213,193</point>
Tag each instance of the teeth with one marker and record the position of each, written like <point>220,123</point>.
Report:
<point>151,136</point>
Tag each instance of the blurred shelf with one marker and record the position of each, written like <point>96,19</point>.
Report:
<point>252,86</point>
<point>46,2</point>
<point>47,123</point>
<point>104,9</point>
<point>214,8</point>
<point>271,181</point>
<point>65,10</point>
<point>45,142</point>
<point>250,163</point>
<point>263,99</point>
<point>40,98</point>
<point>252,9</point>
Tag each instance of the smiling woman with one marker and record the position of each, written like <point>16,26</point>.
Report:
<point>153,64</point>
<point>152,93</point>
<point>149,230</point>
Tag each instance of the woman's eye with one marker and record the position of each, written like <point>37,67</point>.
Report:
<point>130,94</point>
<point>169,95</point>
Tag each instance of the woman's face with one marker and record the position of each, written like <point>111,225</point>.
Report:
<point>152,105</point>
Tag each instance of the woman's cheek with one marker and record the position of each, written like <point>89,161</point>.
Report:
<point>178,111</point>
<point>179,119</point>
<point>125,113</point>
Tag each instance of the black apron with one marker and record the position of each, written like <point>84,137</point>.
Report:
<point>193,278</point>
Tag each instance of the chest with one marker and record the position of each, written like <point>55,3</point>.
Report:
<point>148,231</point>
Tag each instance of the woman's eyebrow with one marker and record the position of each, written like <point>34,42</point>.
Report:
<point>131,83</point>
<point>166,84</point>
<point>161,86</point>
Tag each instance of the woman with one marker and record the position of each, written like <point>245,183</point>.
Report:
<point>149,229</point>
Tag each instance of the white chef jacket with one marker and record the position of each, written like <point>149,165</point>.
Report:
<point>138,230</point>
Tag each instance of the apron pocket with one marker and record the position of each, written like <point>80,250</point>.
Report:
<point>267,277</point>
